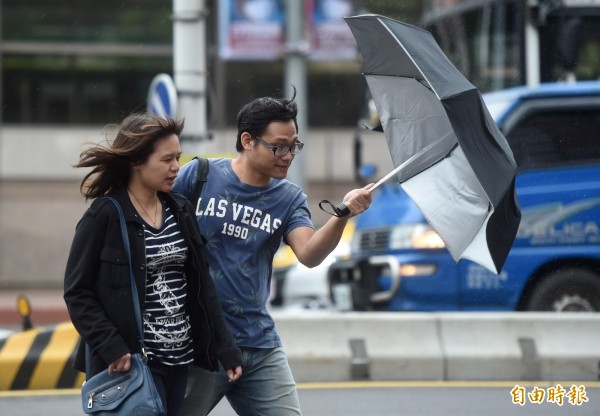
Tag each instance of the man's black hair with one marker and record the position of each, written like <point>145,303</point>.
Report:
<point>255,116</point>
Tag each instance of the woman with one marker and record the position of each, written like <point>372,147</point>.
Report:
<point>182,320</point>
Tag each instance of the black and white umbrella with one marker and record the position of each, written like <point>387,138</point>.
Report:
<point>450,156</point>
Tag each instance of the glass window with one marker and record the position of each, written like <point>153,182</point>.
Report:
<point>553,137</point>
<point>582,56</point>
<point>87,21</point>
<point>89,61</point>
<point>484,42</point>
<point>81,61</point>
<point>70,89</point>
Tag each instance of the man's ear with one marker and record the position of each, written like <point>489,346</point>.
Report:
<point>246,139</point>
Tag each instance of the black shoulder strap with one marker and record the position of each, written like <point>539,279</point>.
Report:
<point>201,176</point>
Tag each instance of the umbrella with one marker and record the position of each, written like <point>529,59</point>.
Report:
<point>450,156</point>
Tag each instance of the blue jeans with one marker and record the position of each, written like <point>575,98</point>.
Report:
<point>266,388</point>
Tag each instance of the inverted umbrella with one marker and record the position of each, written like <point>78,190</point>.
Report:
<point>450,156</point>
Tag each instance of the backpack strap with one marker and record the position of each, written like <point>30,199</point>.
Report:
<point>201,177</point>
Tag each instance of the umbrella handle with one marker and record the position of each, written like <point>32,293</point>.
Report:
<point>340,211</point>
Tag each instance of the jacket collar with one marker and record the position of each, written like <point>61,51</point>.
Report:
<point>174,200</point>
<point>122,198</point>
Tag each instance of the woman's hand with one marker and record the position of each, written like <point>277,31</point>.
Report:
<point>120,365</point>
<point>234,373</point>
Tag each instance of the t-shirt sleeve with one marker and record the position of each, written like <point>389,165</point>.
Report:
<point>300,216</point>
<point>186,179</point>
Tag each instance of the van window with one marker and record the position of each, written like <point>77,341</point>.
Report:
<point>553,137</point>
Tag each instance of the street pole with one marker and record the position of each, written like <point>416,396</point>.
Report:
<point>295,76</point>
<point>1,71</point>
<point>189,69</point>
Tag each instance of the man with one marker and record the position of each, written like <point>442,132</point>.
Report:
<point>245,209</point>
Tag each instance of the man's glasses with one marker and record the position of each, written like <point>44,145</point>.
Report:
<point>281,150</point>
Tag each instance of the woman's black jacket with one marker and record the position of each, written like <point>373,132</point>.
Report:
<point>98,291</point>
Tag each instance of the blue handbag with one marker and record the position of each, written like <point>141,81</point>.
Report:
<point>130,393</point>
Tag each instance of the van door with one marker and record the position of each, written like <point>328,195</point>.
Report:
<point>555,260</point>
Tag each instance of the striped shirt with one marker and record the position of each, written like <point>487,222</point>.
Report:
<point>167,330</point>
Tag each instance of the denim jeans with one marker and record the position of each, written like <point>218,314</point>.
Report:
<point>266,388</point>
<point>171,384</point>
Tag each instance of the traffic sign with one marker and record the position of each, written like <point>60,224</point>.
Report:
<point>162,96</point>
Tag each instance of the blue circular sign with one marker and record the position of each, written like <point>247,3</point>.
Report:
<point>162,96</point>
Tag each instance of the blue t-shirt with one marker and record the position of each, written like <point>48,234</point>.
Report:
<point>244,226</point>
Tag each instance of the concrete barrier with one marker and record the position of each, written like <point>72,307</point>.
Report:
<point>39,358</point>
<point>521,346</point>
<point>331,346</point>
<point>325,346</point>
<point>442,346</point>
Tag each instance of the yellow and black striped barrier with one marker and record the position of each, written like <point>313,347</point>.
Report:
<point>40,358</point>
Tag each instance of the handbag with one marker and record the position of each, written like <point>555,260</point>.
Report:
<point>130,393</point>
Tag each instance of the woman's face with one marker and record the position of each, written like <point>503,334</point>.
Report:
<point>158,173</point>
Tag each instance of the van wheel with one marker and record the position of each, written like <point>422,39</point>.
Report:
<point>570,290</point>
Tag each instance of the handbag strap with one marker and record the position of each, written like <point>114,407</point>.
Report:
<point>136,301</point>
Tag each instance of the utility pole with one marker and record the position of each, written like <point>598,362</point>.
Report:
<point>1,69</point>
<point>189,69</point>
<point>1,100</point>
<point>295,76</point>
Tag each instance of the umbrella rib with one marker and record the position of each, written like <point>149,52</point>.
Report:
<point>426,85</point>
<point>410,159</point>
<point>408,54</point>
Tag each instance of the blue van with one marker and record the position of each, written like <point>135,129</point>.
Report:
<point>398,263</point>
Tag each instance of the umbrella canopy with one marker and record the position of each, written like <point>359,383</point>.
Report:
<point>451,158</point>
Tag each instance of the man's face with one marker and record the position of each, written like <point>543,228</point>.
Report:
<point>281,133</point>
